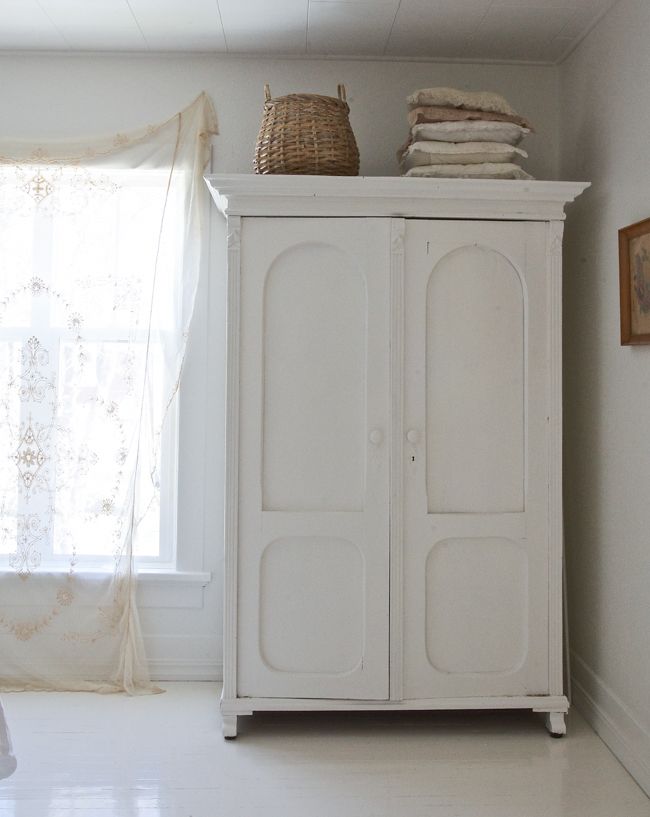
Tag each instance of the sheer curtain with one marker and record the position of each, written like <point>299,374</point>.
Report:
<point>100,251</point>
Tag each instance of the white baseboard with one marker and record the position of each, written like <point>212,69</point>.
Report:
<point>173,657</point>
<point>612,721</point>
<point>185,670</point>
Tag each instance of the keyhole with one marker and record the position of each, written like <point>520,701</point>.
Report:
<point>412,459</point>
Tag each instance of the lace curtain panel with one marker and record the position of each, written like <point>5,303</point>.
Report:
<point>100,253</point>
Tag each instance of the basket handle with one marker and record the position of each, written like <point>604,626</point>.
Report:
<point>340,89</point>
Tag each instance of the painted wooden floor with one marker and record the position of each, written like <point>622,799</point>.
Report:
<point>83,755</point>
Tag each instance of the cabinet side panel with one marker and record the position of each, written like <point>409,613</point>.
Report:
<point>312,566</point>
<point>231,520</point>
<point>475,384</point>
<point>478,587</point>
<point>315,308</point>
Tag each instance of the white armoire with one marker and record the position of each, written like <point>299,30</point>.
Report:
<point>393,533</point>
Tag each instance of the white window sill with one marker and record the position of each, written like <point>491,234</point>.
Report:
<point>158,587</point>
<point>163,574</point>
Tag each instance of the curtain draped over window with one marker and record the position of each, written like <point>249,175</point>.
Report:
<point>100,252</point>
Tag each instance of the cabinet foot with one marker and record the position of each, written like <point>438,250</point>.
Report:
<point>229,726</point>
<point>555,724</point>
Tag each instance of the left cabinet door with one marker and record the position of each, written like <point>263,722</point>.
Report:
<point>313,550</point>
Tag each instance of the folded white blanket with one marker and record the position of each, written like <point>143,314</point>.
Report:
<point>7,759</point>
<point>458,153</point>
<point>485,170</point>
<point>475,131</point>
<point>455,98</point>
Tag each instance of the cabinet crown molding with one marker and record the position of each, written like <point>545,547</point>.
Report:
<point>375,196</point>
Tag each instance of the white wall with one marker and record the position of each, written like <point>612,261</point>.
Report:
<point>605,138</point>
<point>46,97</point>
<point>54,96</point>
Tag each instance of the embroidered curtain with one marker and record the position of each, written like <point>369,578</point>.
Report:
<point>100,251</point>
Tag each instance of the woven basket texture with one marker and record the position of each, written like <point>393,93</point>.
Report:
<point>306,134</point>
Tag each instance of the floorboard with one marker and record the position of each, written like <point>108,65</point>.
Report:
<point>85,755</point>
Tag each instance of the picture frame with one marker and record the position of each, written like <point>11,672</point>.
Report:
<point>634,281</point>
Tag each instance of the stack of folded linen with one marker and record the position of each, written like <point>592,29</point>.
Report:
<point>463,134</point>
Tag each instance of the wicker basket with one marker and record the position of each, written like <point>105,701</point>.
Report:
<point>306,134</point>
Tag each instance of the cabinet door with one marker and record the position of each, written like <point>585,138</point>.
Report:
<point>313,554</point>
<point>475,459</point>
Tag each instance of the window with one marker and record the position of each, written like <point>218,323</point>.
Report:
<point>78,260</point>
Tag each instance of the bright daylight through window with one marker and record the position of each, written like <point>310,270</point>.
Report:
<point>75,307</point>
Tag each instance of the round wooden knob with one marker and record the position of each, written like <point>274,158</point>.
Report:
<point>412,436</point>
<point>376,436</point>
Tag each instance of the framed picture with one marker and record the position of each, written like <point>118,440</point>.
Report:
<point>634,273</point>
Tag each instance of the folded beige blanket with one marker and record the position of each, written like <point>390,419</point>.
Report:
<point>455,98</point>
<point>476,131</point>
<point>485,170</point>
<point>435,113</point>
<point>464,153</point>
